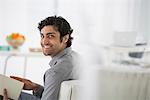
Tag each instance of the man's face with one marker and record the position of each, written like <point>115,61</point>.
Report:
<point>50,41</point>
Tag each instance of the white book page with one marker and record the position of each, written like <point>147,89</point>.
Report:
<point>13,86</point>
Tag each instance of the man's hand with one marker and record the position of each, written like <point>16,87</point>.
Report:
<point>5,97</point>
<point>28,85</point>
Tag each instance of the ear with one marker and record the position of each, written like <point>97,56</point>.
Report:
<point>65,38</point>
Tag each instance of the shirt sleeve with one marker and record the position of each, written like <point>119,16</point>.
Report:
<point>39,92</point>
<point>53,79</point>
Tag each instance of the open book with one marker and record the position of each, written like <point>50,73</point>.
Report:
<point>13,86</point>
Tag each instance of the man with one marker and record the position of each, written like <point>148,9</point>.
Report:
<point>56,42</point>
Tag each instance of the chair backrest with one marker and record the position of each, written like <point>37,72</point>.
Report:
<point>69,90</point>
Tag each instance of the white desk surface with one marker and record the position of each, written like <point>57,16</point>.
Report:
<point>129,49</point>
<point>7,53</point>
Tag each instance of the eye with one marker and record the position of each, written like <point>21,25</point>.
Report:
<point>42,36</point>
<point>51,36</point>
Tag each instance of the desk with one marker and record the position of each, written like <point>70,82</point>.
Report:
<point>128,49</point>
<point>118,53</point>
<point>25,55</point>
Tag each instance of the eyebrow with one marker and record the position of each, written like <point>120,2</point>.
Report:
<point>47,33</point>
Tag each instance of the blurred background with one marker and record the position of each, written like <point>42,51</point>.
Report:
<point>96,24</point>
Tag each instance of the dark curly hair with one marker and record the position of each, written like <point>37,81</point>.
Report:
<point>60,24</point>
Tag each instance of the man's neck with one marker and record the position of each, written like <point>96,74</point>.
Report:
<point>52,56</point>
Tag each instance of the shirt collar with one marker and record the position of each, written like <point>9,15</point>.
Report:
<point>59,55</point>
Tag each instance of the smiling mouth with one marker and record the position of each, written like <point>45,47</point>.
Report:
<point>47,47</point>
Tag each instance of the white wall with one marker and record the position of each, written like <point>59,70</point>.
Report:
<point>148,22</point>
<point>14,17</point>
<point>93,21</point>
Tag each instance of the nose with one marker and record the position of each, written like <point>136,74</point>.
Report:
<point>45,41</point>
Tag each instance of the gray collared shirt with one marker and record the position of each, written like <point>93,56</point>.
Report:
<point>62,69</point>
